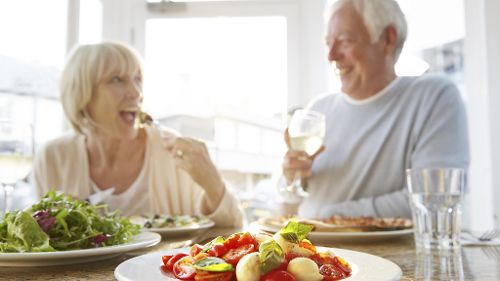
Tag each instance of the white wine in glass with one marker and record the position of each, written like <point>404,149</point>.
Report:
<point>306,131</point>
<point>16,157</point>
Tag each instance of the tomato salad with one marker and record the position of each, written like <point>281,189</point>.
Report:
<point>285,256</point>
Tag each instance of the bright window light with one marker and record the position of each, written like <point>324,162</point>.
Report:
<point>208,66</point>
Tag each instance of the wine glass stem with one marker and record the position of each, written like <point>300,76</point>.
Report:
<point>7,195</point>
<point>296,184</point>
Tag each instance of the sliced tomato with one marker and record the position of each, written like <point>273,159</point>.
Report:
<point>202,275</point>
<point>330,270</point>
<point>342,264</point>
<point>278,275</point>
<point>233,256</point>
<point>218,250</point>
<point>184,269</point>
<point>166,258</point>
<point>322,258</point>
<point>200,256</point>
<point>174,259</point>
<point>290,256</point>
<point>232,241</point>
<point>165,270</point>
<point>306,244</point>
<point>246,238</point>
<point>195,249</point>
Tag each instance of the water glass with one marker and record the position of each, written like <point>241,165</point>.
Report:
<point>435,200</point>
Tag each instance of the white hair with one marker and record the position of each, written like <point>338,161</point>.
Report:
<point>377,15</point>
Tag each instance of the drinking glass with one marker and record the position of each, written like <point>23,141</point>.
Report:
<point>16,155</point>
<point>435,200</point>
<point>306,130</point>
<point>439,265</point>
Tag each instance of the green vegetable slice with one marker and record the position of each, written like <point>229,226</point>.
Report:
<point>213,264</point>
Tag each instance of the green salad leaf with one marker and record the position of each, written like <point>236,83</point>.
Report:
<point>21,233</point>
<point>295,232</point>
<point>271,256</point>
<point>59,222</point>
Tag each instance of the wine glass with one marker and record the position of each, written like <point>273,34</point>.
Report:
<point>16,156</point>
<point>306,131</point>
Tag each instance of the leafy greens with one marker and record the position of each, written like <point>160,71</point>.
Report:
<point>59,222</point>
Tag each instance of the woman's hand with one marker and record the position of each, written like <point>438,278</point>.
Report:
<point>192,156</point>
<point>297,162</point>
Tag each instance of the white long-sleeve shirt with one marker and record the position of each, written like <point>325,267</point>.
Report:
<point>414,122</point>
<point>161,188</point>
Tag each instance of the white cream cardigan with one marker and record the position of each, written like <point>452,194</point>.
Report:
<point>62,164</point>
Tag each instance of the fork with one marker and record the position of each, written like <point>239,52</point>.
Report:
<point>486,236</point>
<point>489,235</point>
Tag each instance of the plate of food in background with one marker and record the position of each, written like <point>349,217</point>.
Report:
<point>345,229</point>
<point>172,225</point>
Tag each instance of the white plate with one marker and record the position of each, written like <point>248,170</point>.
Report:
<point>364,267</point>
<point>180,230</point>
<point>142,240</point>
<point>371,236</point>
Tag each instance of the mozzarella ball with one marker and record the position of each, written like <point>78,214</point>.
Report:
<point>248,268</point>
<point>304,269</point>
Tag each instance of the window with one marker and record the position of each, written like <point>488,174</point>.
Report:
<point>208,66</point>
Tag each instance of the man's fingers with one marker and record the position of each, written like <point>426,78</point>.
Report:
<point>321,149</point>
<point>286,136</point>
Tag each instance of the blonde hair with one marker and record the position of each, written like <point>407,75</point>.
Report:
<point>86,67</point>
<point>377,15</point>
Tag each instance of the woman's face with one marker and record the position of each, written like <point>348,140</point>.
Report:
<point>115,101</point>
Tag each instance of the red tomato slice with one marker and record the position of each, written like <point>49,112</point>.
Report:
<point>278,275</point>
<point>246,238</point>
<point>213,276</point>
<point>218,250</point>
<point>184,269</point>
<point>232,241</point>
<point>322,259</point>
<point>234,255</point>
<point>330,270</point>
<point>174,259</point>
<point>290,256</point>
<point>195,249</point>
<point>166,258</point>
<point>308,245</point>
<point>343,265</point>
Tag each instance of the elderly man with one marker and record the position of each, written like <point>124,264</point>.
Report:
<point>381,124</point>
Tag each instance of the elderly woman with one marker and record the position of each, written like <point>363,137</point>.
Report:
<point>151,172</point>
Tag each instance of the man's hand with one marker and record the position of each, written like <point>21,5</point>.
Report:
<point>297,163</point>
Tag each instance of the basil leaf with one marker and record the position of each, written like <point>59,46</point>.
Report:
<point>295,232</point>
<point>216,240</point>
<point>271,256</point>
<point>213,264</point>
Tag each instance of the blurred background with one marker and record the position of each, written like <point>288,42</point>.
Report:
<point>230,71</point>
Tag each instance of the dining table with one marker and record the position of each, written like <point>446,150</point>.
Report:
<point>466,263</point>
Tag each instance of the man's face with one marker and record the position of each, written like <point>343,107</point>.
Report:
<point>360,63</point>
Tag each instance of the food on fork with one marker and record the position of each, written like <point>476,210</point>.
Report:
<point>285,256</point>
<point>142,118</point>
